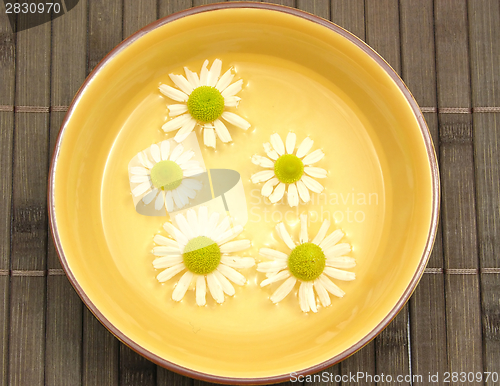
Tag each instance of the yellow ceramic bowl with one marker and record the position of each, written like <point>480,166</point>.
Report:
<point>301,73</point>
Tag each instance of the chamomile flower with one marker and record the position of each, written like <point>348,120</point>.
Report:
<point>204,101</point>
<point>310,263</point>
<point>164,176</point>
<point>284,168</point>
<point>202,247</point>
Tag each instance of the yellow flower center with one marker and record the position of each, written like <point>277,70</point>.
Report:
<point>288,168</point>
<point>205,104</point>
<point>166,175</point>
<point>201,255</point>
<point>307,262</point>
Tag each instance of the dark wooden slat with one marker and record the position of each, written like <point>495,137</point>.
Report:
<point>100,364</point>
<point>349,15</point>
<point>165,377</point>
<point>428,327</point>
<point>63,356</point>
<point>319,8</point>
<point>4,329</point>
<point>417,50</point>
<point>490,293</point>
<point>27,331</point>
<point>288,3</point>
<point>137,14</point>
<point>100,353</point>
<point>362,361</point>
<point>203,2</point>
<point>167,7</point>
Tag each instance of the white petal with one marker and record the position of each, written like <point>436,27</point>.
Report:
<point>277,143</point>
<point>204,73</point>
<point>278,277</point>
<point>164,250</point>
<point>303,301</point>
<point>285,236</point>
<point>214,73</point>
<point>330,286</point>
<point>162,240</point>
<point>273,254</point>
<point>271,153</point>
<point>193,172</point>
<point>293,195</point>
<point>179,199</point>
<point>224,80</point>
<point>185,130</point>
<point>235,119</point>
<point>144,159</point>
<point>142,188</point>
<point>139,171</point>
<point>165,150</point>
<point>182,83</point>
<point>173,93</point>
<point>155,152</point>
<point>262,161</point>
<point>237,262</point>
<point>233,89</point>
<point>235,246</point>
<point>232,274</point>
<point>176,123</point>
<point>182,286</point>
<point>185,157</point>
<point>184,227</point>
<point>221,228</point>
<point>233,101</point>
<point>303,191</point>
<point>192,219</point>
<point>283,290</point>
<point>278,193</point>
<point>186,191</point>
<point>304,147</point>
<point>160,201</point>
<point>150,196</point>
<point>201,290</point>
<point>209,137</point>
<point>192,184</point>
<point>339,274</point>
<point>314,157</point>
<point>169,202</point>
<point>227,287</point>
<point>304,238</point>
<point>323,296</point>
<point>315,172</point>
<point>321,233</point>
<point>170,272</point>
<point>215,288</point>
<point>291,138</point>
<point>193,164</point>
<point>311,299</point>
<point>337,250</point>
<point>192,78</point>
<point>167,261</point>
<point>176,152</point>
<point>341,262</point>
<point>229,234</point>
<point>139,179</point>
<point>175,233</point>
<point>175,110</point>
<point>202,220</point>
<point>212,224</point>
<point>332,239</point>
<point>267,189</point>
<point>264,175</point>
<point>311,184</point>
<point>222,132</point>
<point>271,266</point>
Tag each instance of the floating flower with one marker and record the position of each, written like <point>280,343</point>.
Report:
<point>163,176</point>
<point>204,102</point>
<point>286,168</point>
<point>201,248</point>
<point>309,263</point>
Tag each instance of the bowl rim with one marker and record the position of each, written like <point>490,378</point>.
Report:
<point>431,157</point>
